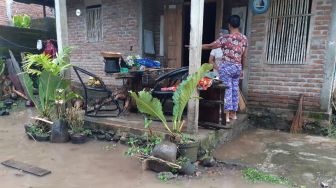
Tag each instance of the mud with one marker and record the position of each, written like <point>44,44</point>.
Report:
<point>95,164</point>
<point>306,160</point>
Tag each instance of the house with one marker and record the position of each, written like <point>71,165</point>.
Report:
<point>291,44</point>
<point>9,8</point>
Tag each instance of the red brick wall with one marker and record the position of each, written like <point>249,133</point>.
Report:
<point>35,11</point>
<point>3,16</point>
<point>279,86</point>
<point>120,33</point>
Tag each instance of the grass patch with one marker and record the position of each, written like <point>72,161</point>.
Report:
<point>256,176</point>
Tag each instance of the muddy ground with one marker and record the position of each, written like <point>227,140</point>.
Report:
<point>94,164</point>
<point>306,160</point>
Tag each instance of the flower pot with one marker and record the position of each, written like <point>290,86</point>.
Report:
<point>78,138</point>
<point>27,128</point>
<point>42,138</point>
<point>188,150</point>
<point>59,132</point>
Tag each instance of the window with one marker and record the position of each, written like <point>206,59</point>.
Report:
<point>288,31</point>
<point>94,23</point>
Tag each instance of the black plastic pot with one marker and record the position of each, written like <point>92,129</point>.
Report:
<point>42,138</point>
<point>78,138</point>
<point>188,150</point>
<point>59,132</point>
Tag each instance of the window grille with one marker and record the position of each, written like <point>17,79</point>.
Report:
<point>94,23</point>
<point>288,31</point>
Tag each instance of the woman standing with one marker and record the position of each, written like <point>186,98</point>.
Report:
<point>234,47</point>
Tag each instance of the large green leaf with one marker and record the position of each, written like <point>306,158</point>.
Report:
<point>149,105</point>
<point>184,91</point>
<point>48,83</point>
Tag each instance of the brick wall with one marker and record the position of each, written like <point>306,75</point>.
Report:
<point>3,16</point>
<point>279,86</point>
<point>35,11</point>
<point>120,33</point>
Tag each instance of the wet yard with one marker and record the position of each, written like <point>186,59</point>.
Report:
<point>306,160</point>
<point>94,164</point>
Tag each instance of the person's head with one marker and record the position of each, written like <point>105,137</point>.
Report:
<point>234,22</point>
<point>223,32</point>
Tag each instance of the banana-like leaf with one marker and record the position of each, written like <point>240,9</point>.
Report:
<point>149,105</point>
<point>184,91</point>
<point>48,83</point>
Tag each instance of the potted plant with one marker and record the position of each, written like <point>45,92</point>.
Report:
<point>49,75</point>
<point>75,119</point>
<point>131,61</point>
<point>152,107</point>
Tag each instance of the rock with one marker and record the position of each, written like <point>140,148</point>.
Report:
<point>166,175</point>
<point>155,166</point>
<point>208,162</point>
<point>116,137</point>
<point>123,140</point>
<point>59,132</point>
<point>324,184</point>
<point>166,151</point>
<point>108,137</point>
<point>101,137</point>
<point>188,169</point>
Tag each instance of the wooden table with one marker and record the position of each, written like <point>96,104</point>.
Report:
<point>211,111</point>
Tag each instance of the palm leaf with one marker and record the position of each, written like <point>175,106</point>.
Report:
<point>149,105</point>
<point>184,91</point>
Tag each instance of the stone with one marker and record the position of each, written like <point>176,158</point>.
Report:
<point>101,137</point>
<point>108,137</point>
<point>116,137</point>
<point>59,132</point>
<point>166,151</point>
<point>123,140</point>
<point>188,169</point>
<point>166,175</point>
<point>155,166</point>
<point>324,184</point>
<point>208,162</point>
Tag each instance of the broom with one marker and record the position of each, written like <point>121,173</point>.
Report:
<point>298,120</point>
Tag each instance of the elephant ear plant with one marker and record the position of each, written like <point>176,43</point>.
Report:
<point>50,80</point>
<point>152,107</point>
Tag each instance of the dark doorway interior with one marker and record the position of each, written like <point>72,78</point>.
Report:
<point>209,26</point>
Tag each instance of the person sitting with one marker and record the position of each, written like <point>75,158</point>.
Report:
<point>216,55</point>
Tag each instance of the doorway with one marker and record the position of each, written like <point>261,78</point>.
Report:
<point>209,30</point>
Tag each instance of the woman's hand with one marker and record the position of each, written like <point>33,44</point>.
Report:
<point>241,75</point>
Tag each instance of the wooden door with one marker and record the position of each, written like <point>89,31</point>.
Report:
<point>173,35</point>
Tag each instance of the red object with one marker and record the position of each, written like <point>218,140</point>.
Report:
<point>173,88</point>
<point>50,49</point>
<point>205,83</point>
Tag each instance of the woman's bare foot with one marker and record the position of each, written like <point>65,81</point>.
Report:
<point>233,115</point>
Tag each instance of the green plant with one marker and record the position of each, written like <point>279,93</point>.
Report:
<point>256,176</point>
<point>49,79</point>
<point>136,146</point>
<point>2,66</point>
<point>163,177</point>
<point>151,106</point>
<point>75,119</point>
<point>54,66</point>
<point>22,21</point>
